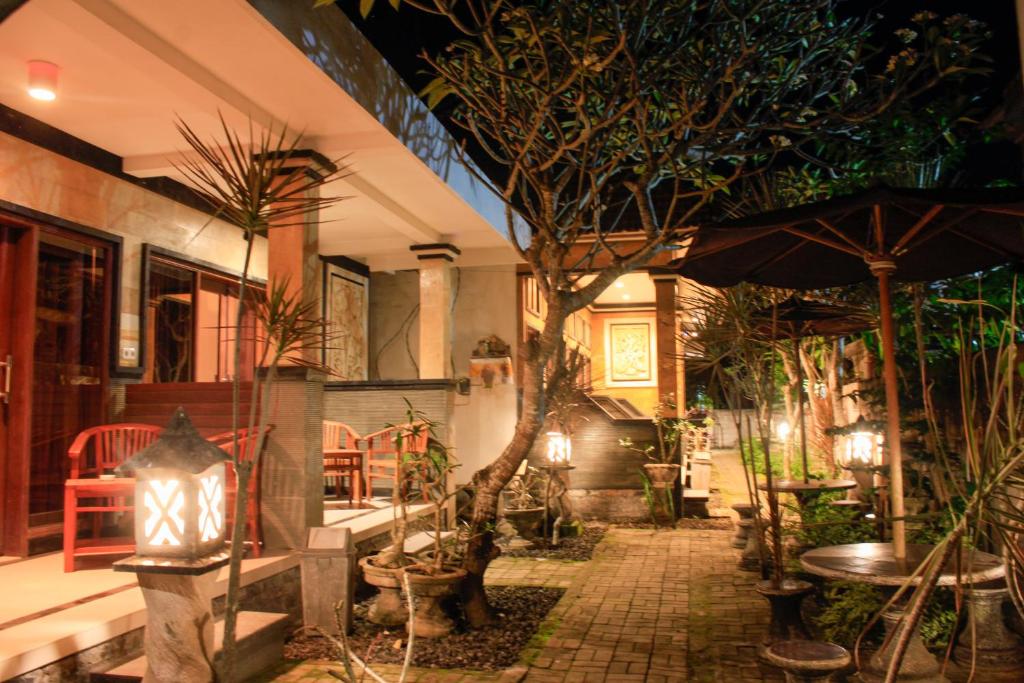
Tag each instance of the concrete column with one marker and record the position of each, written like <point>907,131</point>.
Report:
<point>293,250</point>
<point>292,473</point>
<point>292,466</point>
<point>666,329</point>
<point>435,308</point>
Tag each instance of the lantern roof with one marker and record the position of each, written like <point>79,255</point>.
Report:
<point>179,447</point>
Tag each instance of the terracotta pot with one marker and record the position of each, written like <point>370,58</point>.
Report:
<point>428,591</point>
<point>387,608</point>
<point>526,521</point>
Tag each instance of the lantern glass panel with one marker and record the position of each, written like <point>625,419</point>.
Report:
<point>179,514</point>
<point>559,448</point>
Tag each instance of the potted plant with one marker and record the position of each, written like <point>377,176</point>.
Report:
<point>383,570</point>
<point>438,575</point>
<point>660,474</point>
<point>524,508</point>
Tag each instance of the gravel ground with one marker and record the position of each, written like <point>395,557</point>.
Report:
<point>579,548</point>
<point>521,610</point>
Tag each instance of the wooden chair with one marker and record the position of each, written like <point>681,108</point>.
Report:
<point>95,452</point>
<point>247,442</point>
<point>383,454</point>
<point>343,459</point>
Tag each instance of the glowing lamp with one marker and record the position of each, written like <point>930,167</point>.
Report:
<point>559,448</point>
<point>42,80</point>
<point>783,430</point>
<point>863,445</point>
<point>179,494</point>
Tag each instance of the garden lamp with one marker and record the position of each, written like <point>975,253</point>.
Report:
<point>179,494</point>
<point>782,430</point>
<point>863,445</point>
<point>559,449</point>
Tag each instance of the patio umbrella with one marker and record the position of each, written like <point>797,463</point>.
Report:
<point>796,318</point>
<point>884,232</point>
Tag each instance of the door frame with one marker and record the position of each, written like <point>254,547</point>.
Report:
<point>14,475</point>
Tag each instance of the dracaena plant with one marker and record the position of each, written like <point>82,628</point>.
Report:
<point>984,470</point>
<point>258,183</point>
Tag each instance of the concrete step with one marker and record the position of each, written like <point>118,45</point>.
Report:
<point>260,647</point>
<point>424,540</point>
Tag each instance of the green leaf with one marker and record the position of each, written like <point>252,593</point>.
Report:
<point>365,7</point>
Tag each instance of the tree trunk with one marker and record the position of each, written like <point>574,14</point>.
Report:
<point>489,481</point>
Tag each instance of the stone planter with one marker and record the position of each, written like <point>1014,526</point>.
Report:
<point>662,479</point>
<point>784,600</point>
<point>387,608</point>
<point>990,644</point>
<point>526,521</point>
<point>428,591</point>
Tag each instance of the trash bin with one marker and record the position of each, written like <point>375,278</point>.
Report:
<point>328,572</point>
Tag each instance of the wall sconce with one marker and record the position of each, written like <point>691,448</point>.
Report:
<point>42,80</point>
<point>179,494</point>
<point>559,449</point>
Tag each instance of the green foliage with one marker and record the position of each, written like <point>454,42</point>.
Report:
<point>849,608</point>
<point>753,448</point>
<point>823,524</point>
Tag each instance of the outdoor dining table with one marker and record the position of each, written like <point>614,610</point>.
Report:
<point>875,564</point>
<point>345,462</point>
<point>805,490</point>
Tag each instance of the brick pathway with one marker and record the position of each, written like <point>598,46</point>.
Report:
<point>651,606</point>
<point>658,606</point>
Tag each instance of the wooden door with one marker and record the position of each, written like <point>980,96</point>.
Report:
<point>18,251</point>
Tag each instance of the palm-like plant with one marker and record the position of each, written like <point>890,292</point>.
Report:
<point>984,473</point>
<point>258,185</point>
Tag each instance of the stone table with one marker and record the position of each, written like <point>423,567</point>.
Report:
<point>805,490</point>
<point>875,564</point>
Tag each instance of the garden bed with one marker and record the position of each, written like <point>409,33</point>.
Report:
<point>578,548</point>
<point>521,611</point>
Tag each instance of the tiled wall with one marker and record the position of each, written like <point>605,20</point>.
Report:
<point>38,179</point>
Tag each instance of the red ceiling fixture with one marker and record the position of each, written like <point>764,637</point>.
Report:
<point>42,80</point>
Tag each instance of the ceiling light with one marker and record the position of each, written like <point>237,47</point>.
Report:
<point>618,283</point>
<point>42,80</point>
<point>626,297</point>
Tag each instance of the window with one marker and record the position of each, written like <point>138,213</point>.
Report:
<point>190,321</point>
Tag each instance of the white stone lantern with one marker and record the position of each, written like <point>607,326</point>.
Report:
<point>559,449</point>
<point>179,494</point>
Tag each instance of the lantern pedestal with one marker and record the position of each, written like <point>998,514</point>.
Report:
<point>179,616</point>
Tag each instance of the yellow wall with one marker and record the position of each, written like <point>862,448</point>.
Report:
<point>644,398</point>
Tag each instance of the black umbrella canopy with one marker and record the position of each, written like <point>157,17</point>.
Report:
<point>928,234</point>
<point>796,317</point>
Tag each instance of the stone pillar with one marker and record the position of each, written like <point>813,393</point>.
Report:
<point>667,333</point>
<point>435,309</point>
<point>292,466</point>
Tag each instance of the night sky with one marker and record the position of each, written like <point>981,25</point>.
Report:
<point>403,34</point>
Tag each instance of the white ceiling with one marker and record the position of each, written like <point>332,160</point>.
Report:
<point>129,67</point>
<point>631,288</point>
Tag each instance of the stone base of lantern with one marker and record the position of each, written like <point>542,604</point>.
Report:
<point>179,618</point>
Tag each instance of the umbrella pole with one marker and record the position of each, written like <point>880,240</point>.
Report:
<point>881,270</point>
<point>800,405</point>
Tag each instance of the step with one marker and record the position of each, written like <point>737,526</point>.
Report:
<point>696,493</point>
<point>424,540</point>
<point>260,647</point>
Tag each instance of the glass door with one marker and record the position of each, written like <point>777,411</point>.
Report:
<point>70,368</point>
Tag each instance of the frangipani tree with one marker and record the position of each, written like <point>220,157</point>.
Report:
<point>603,118</point>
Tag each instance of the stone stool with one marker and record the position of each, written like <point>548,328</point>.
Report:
<point>860,507</point>
<point>746,513</point>
<point>996,648</point>
<point>807,661</point>
<point>750,559</point>
<point>784,601</point>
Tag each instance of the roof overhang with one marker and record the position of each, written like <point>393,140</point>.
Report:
<point>130,67</point>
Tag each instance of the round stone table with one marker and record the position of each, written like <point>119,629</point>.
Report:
<point>804,490</point>
<point>874,564</point>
